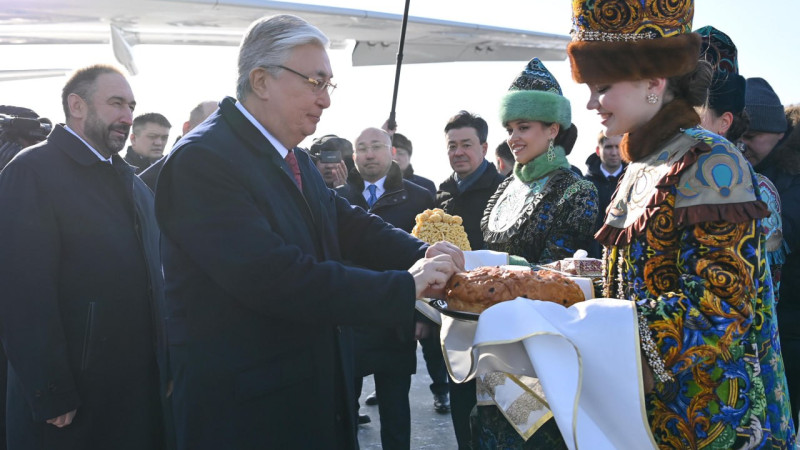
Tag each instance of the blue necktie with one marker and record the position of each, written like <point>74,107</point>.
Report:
<point>372,198</point>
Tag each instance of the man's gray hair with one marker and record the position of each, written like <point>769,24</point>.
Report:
<point>268,42</point>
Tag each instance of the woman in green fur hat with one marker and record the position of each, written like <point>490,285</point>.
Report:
<point>544,212</point>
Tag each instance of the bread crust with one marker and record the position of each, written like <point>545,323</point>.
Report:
<point>478,289</point>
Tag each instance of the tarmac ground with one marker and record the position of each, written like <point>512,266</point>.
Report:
<point>429,429</point>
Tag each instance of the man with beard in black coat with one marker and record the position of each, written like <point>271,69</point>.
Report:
<point>81,279</point>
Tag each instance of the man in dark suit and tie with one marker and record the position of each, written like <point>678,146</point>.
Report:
<point>259,302</point>
<point>377,185</point>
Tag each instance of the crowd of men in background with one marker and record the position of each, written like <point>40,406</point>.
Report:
<point>105,374</point>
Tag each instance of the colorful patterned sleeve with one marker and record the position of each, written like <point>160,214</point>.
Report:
<point>714,336</point>
<point>708,294</point>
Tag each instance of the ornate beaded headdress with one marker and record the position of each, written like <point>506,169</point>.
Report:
<point>727,86</point>
<point>619,40</point>
<point>536,95</point>
<point>536,77</point>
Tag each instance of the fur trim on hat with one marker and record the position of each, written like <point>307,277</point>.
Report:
<point>540,106</point>
<point>595,62</point>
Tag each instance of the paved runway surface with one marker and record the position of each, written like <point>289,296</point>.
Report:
<point>429,430</point>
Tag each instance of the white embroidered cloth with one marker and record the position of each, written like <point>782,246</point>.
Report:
<point>586,359</point>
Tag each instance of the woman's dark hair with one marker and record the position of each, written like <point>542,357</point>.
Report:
<point>738,126</point>
<point>693,86</point>
<point>566,137</point>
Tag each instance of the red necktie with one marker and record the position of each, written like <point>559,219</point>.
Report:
<point>292,161</point>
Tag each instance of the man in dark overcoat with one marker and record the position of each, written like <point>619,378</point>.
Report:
<point>771,145</point>
<point>465,193</point>
<point>81,281</point>
<point>474,179</point>
<point>376,184</point>
<point>259,302</point>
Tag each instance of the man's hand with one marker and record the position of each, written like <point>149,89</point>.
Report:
<point>385,127</point>
<point>335,171</point>
<point>431,275</point>
<point>340,173</point>
<point>446,248</point>
<point>63,420</point>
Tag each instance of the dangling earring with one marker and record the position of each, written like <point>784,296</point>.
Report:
<point>652,98</point>
<point>551,154</point>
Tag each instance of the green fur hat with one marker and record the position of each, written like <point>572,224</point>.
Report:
<point>536,95</point>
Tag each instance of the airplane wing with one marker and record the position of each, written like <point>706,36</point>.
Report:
<point>222,22</point>
<point>28,74</point>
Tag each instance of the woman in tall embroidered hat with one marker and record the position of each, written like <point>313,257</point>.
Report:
<point>683,236</point>
<point>544,212</point>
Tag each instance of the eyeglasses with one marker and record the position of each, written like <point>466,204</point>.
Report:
<point>318,85</point>
<point>376,147</point>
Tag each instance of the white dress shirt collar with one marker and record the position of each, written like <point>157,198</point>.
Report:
<point>609,174</point>
<point>102,158</point>
<point>275,143</point>
<point>379,191</point>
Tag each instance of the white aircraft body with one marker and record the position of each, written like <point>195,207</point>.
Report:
<point>222,22</point>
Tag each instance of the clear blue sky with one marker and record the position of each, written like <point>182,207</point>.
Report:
<point>173,79</point>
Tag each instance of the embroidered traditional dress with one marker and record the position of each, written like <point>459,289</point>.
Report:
<point>542,220</point>
<point>684,240</point>
<point>545,212</point>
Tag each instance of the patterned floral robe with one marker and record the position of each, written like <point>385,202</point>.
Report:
<point>684,240</point>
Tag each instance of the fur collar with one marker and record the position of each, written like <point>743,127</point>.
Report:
<point>672,117</point>
<point>541,166</point>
